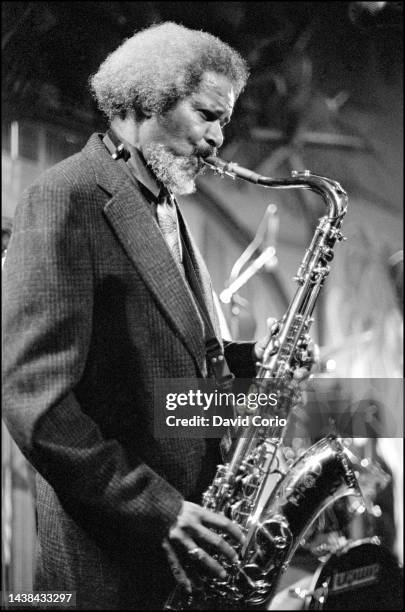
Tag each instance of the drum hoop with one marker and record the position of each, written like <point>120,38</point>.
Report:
<point>342,551</point>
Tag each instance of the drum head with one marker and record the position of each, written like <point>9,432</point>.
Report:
<point>363,576</point>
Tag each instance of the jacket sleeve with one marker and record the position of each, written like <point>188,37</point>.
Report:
<point>47,322</point>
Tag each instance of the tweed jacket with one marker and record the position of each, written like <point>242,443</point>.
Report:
<point>94,310</point>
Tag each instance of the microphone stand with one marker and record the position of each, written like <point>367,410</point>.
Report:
<point>268,228</point>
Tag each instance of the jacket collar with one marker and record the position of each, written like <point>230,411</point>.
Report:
<point>128,212</point>
<point>141,172</point>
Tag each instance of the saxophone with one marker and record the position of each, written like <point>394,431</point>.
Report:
<point>275,509</point>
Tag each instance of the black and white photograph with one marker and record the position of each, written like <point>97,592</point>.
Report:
<point>202,305</point>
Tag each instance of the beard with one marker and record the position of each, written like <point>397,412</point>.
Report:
<point>176,172</point>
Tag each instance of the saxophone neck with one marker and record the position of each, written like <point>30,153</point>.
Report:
<point>332,193</point>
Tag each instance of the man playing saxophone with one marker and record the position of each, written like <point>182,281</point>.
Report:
<point>99,303</point>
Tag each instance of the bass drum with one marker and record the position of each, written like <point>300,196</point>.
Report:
<point>361,576</point>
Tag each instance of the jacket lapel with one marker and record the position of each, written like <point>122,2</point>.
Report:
<point>129,214</point>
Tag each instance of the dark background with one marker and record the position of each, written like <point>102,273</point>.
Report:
<point>51,48</point>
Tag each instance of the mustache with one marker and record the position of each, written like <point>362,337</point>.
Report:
<point>206,152</point>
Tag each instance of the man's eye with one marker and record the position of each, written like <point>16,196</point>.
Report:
<point>208,115</point>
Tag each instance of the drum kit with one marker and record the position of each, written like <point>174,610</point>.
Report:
<point>362,575</point>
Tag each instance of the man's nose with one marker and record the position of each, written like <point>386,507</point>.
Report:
<point>214,135</point>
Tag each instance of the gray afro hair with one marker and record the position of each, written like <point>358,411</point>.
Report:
<point>160,65</point>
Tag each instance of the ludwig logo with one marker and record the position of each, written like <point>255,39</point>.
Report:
<point>355,577</point>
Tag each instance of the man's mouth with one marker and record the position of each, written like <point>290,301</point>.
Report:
<point>196,163</point>
<point>201,156</point>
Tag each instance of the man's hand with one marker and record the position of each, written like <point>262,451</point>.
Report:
<point>260,346</point>
<point>310,355</point>
<point>192,541</point>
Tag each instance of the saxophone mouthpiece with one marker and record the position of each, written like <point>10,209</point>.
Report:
<point>218,166</point>
<point>232,170</point>
<point>213,160</point>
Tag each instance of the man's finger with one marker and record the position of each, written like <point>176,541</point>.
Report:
<point>213,519</point>
<point>270,322</point>
<point>205,562</point>
<point>215,541</point>
<point>193,555</point>
<point>301,374</point>
<point>176,567</point>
